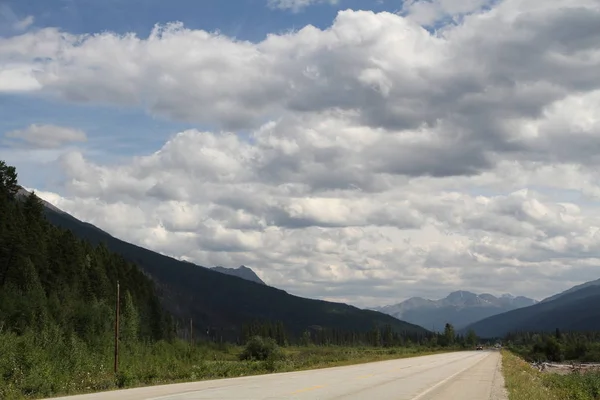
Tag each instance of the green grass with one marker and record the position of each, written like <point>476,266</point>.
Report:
<point>526,383</point>
<point>38,366</point>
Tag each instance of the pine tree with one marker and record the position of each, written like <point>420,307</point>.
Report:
<point>471,339</point>
<point>449,335</point>
<point>130,321</point>
<point>8,181</point>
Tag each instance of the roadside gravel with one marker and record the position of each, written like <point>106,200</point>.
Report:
<point>499,391</point>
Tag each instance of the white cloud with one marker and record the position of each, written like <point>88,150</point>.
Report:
<point>17,78</point>
<point>429,12</point>
<point>296,5</point>
<point>8,19</point>
<point>25,23</point>
<point>370,161</point>
<point>46,136</point>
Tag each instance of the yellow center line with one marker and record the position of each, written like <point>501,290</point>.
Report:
<point>308,389</point>
<point>365,376</point>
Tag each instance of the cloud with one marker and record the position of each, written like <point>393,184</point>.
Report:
<point>296,5</point>
<point>25,23</point>
<point>46,136</point>
<point>372,160</point>
<point>430,12</point>
<point>11,20</point>
<point>426,81</point>
<point>16,78</point>
<point>423,236</point>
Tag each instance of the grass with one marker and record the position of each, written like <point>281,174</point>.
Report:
<point>526,383</point>
<point>30,369</point>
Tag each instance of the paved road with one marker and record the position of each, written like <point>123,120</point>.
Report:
<point>471,375</point>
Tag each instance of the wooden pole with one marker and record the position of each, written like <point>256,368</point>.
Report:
<point>117,330</point>
<point>191,333</point>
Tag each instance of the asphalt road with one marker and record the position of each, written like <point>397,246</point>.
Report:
<point>471,375</point>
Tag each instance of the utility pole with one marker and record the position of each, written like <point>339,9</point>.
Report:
<point>117,330</point>
<point>191,333</point>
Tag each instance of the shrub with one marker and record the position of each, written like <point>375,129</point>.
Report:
<point>259,348</point>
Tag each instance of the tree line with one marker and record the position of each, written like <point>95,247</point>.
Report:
<point>555,346</point>
<point>378,336</point>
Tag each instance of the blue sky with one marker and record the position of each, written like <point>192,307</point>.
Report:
<point>244,19</point>
<point>136,130</point>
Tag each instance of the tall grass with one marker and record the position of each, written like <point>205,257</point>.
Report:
<point>45,365</point>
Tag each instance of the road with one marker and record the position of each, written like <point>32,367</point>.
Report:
<point>470,375</point>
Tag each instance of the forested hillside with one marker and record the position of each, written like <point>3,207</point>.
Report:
<point>58,295</point>
<point>51,279</point>
<point>219,303</point>
<point>574,311</point>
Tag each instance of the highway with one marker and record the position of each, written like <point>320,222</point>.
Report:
<point>469,375</point>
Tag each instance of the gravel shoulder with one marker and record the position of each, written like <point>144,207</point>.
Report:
<point>499,391</point>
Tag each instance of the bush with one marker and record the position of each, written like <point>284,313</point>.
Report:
<point>259,348</point>
<point>125,379</point>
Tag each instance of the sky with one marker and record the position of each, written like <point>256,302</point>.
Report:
<point>355,151</point>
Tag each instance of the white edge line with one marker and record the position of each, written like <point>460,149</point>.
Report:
<point>440,383</point>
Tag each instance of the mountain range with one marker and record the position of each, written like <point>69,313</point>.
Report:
<point>218,300</point>
<point>459,308</point>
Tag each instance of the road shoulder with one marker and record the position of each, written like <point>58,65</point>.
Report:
<point>499,391</point>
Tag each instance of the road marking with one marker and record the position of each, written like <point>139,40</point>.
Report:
<point>440,383</point>
<point>365,376</point>
<point>308,389</point>
<point>399,369</point>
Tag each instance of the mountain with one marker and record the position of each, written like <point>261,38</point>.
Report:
<point>577,310</point>
<point>573,289</point>
<point>459,308</point>
<point>223,302</point>
<point>241,272</point>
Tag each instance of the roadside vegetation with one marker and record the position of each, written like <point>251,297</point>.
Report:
<point>556,346</point>
<point>50,364</point>
<point>525,382</point>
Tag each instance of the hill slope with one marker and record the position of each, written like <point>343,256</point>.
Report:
<point>222,302</point>
<point>573,289</point>
<point>459,308</point>
<point>575,311</point>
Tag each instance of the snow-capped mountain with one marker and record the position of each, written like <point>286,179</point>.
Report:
<point>459,308</point>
